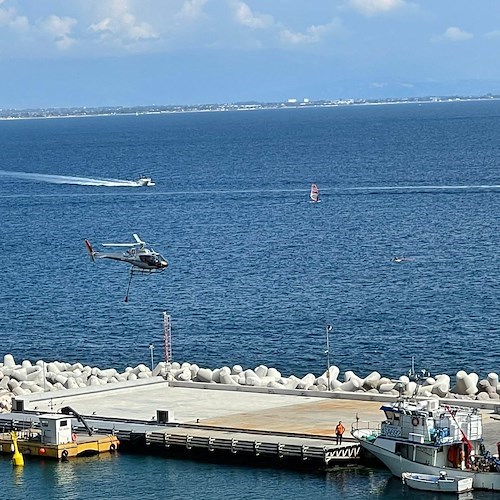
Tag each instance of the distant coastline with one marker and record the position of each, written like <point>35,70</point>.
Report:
<point>81,112</point>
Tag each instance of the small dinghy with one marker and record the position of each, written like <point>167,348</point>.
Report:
<point>441,483</point>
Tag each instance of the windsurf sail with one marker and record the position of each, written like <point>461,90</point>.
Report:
<point>314,195</point>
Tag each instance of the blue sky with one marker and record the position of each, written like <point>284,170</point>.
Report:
<point>56,53</point>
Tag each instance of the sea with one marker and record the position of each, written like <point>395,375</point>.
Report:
<point>256,271</point>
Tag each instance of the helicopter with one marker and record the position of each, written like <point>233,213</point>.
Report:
<point>141,257</point>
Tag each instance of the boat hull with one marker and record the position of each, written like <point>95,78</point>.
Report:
<point>398,465</point>
<point>145,182</point>
<point>427,482</point>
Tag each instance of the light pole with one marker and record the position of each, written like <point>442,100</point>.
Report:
<point>151,348</point>
<point>327,352</point>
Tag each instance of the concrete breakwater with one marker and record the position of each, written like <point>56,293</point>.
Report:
<point>27,378</point>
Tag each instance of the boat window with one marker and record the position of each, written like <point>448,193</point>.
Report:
<point>404,450</point>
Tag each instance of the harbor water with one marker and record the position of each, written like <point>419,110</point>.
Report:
<point>256,270</point>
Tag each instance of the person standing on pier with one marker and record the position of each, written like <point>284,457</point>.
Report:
<point>339,431</point>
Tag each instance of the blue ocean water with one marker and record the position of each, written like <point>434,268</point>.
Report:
<point>256,271</point>
<point>121,476</point>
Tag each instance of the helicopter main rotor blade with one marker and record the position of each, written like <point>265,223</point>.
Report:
<point>139,241</point>
<point>119,244</point>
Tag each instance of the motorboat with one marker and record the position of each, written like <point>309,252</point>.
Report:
<point>427,437</point>
<point>398,260</point>
<point>439,483</point>
<point>145,181</point>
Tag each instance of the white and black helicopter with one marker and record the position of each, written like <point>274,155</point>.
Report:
<point>139,255</point>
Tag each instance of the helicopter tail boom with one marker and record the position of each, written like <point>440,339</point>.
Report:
<point>90,250</point>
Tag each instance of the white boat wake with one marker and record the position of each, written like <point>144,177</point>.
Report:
<point>417,188</point>
<point>67,179</point>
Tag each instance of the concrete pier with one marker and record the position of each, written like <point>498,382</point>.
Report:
<point>171,416</point>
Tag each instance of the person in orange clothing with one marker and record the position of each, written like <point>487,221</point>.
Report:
<point>339,431</point>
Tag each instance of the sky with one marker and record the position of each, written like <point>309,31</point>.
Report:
<point>64,53</point>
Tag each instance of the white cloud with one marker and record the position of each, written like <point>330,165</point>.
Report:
<point>493,34</point>
<point>382,85</point>
<point>374,7</point>
<point>191,9</point>
<point>59,29</point>
<point>9,18</point>
<point>20,23</point>
<point>454,34</point>
<point>313,34</point>
<point>120,24</point>
<point>245,16</point>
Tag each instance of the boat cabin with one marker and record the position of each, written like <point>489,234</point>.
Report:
<point>56,429</point>
<point>428,422</point>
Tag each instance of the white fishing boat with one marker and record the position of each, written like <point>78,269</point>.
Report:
<point>427,437</point>
<point>439,483</point>
<point>145,181</point>
<point>314,194</point>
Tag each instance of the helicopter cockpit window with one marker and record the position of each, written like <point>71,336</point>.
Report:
<point>150,259</point>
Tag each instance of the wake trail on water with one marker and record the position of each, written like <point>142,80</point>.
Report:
<point>67,179</point>
<point>356,189</point>
<point>327,191</point>
<point>419,189</point>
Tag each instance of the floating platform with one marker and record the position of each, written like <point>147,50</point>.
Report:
<point>281,448</point>
<point>29,444</point>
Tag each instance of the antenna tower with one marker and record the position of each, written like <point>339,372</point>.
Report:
<point>167,335</point>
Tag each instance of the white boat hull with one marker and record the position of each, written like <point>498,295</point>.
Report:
<point>397,465</point>
<point>145,181</point>
<point>427,482</point>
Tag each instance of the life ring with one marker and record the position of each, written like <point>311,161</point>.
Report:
<point>73,437</point>
<point>64,454</point>
<point>415,421</point>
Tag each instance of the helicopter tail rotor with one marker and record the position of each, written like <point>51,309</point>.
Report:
<point>90,250</point>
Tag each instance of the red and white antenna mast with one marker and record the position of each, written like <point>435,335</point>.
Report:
<point>167,335</point>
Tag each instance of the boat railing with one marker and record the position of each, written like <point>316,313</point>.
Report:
<point>23,435</point>
<point>366,428</point>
